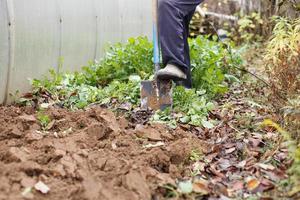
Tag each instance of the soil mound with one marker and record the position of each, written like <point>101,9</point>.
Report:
<point>88,155</point>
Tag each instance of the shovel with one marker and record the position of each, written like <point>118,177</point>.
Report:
<point>156,94</point>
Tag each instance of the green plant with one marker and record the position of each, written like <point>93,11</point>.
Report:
<point>124,92</point>
<point>249,29</point>
<point>115,80</point>
<point>165,117</point>
<point>43,119</point>
<point>70,91</point>
<point>196,155</point>
<point>212,62</point>
<point>189,107</point>
<point>121,61</point>
<point>112,77</point>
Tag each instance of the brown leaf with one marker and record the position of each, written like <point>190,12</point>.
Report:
<point>28,95</point>
<point>224,164</point>
<point>251,161</point>
<point>231,150</point>
<point>216,172</point>
<point>253,152</point>
<point>201,187</point>
<point>229,145</point>
<point>267,185</point>
<point>254,142</point>
<point>199,166</point>
<point>209,158</point>
<point>216,180</point>
<point>237,185</point>
<point>51,125</point>
<point>281,156</point>
<point>273,176</point>
<point>265,166</point>
<point>294,191</point>
<point>221,189</point>
<point>242,164</point>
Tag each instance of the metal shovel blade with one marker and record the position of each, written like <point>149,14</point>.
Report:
<point>156,95</point>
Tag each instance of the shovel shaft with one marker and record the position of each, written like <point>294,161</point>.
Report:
<point>156,53</point>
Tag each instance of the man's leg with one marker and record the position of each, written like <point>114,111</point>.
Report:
<point>174,17</point>
<point>171,30</point>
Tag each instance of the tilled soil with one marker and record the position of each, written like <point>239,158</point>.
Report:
<point>89,155</point>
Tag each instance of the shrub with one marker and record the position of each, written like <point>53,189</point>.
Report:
<point>283,57</point>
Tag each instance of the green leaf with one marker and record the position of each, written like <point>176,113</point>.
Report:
<point>185,119</point>
<point>207,124</point>
<point>231,78</point>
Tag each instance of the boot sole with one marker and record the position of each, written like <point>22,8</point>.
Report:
<point>163,76</point>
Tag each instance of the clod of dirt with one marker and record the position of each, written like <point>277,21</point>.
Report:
<point>33,136</point>
<point>180,150</point>
<point>96,131</point>
<point>15,154</point>
<point>58,170</point>
<point>136,182</point>
<point>27,118</point>
<point>69,165</point>
<point>31,168</point>
<point>159,160</point>
<point>109,120</point>
<point>15,133</point>
<point>139,116</point>
<point>123,122</point>
<point>147,132</point>
<point>27,182</point>
<point>100,159</point>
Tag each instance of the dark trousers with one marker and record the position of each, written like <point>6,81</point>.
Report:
<point>174,17</point>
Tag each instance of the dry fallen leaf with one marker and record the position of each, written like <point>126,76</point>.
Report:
<point>200,187</point>
<point>214,171</point>
<point>294,191</point>
<point>238,185</point>
<point>242,164</point>
<point>199,166</point>
<point>265,166</point>
<point>255,142</point>
<point>50,125</point>
<point>231,150</point>
<point>224,164</point>
<point>267,184</point>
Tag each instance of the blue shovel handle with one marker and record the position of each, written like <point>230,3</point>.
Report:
<point>156,52</point>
